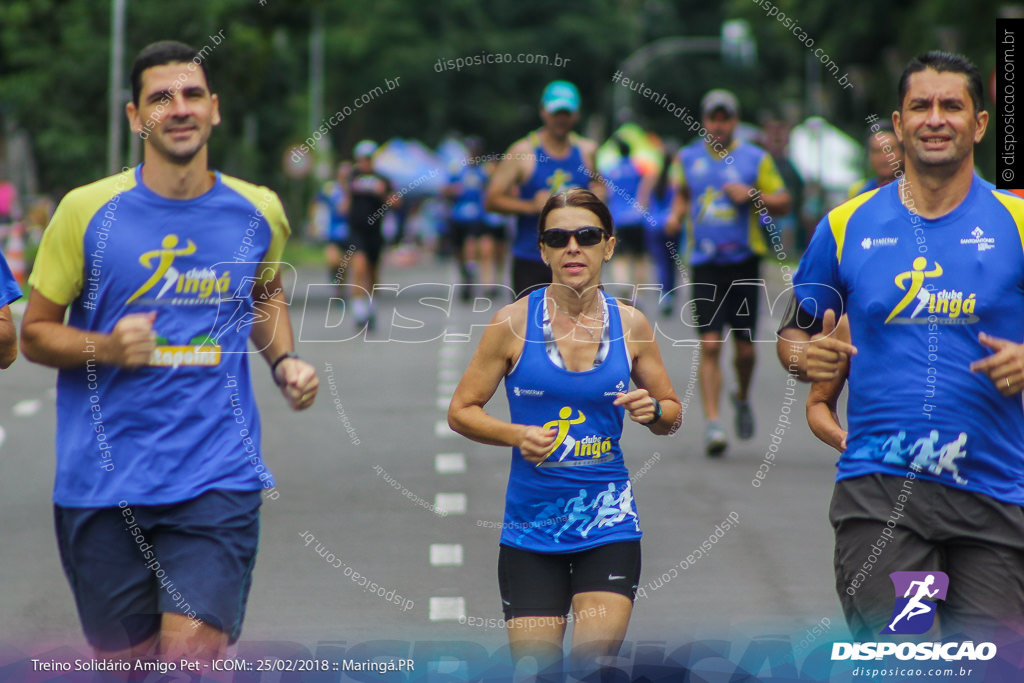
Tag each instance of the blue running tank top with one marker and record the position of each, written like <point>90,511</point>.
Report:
<point>553,175</point>
<point>468,205</point>
<point>580,496</point>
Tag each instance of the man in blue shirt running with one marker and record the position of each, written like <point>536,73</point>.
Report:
<point>717,180</point>
<point>165,272</point>
<point>545,162</point>
<point>929,271</point>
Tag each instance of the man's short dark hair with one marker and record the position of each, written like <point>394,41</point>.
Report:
<point>940,61</point>
<point>160,53</point>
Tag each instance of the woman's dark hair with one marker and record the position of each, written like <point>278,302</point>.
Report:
<point>581,198</point>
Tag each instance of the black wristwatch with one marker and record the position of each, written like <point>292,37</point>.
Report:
<point>657,412</point>
<point>288,354</point>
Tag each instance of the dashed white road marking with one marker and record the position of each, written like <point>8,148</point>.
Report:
<point>442,430</point>
<point>446,554</point>
<point>449,375</point>
<point>447,609</point>
<point>450,463</point>
<point>452,503</point>
<point>27,407</point>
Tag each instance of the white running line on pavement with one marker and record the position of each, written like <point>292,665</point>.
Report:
<point>450,375</point>
<point>450,463</point>
<point>452,503</point>
<point>443,431</point>
<point>446,554</point>
<point>447,609</point>
<point>27,408</point>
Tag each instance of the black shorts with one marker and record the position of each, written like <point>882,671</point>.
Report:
<point>886,523</point>
<point>367,239</point>
<point>128,565</point>
<point>543,584</point>
<point>499,232</point>
<point>344,246</point>
<point>728,295</point>
<point>528,275</point>
<point>461,231</point>
<point>629,240</point>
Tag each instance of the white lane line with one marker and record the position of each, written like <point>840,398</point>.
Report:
<point>452,503</point>
<point>443,402</point>
<point>446,554</point>
<point>450,352</point>
<point>447,609</point>
<point>449,375</point>
<point>447,388</point>
<point>450,463</point>
<point>456,338</point>
<point>443,431</point>
<point>3,436</point>
<point>27,408</point>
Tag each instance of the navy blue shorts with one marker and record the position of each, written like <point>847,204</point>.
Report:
<point>127,565</point>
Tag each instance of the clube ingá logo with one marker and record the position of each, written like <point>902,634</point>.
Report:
<point>917,594</point>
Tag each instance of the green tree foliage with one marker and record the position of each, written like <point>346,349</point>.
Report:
<point>54,64</point>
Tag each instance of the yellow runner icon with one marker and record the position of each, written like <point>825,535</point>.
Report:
<point>562,424</point>
<point>917,276</point>
<point>166,255</point>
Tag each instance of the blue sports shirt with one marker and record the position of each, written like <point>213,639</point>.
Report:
<point>331,196</point>
<point>623,181</point>
<point>468,205</point>
<point>9,289</point>
<point>580,496</point>
<point>918,292</point>
<point>187,422</point>
<point>724,232</point>
<point>553,176</point>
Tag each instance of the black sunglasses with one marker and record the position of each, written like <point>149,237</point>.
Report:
<point>585,237</point>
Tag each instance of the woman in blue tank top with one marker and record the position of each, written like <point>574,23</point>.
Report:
<point>567,354</point>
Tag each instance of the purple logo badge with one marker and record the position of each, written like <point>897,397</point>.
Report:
<point>916,596</point>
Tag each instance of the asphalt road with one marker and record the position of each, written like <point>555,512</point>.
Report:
<point>372,476</point>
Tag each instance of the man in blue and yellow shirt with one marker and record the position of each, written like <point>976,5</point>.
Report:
<point>721,186</point>
<point>929,270</point>
<point>545,162</point>
<point>168,270</point>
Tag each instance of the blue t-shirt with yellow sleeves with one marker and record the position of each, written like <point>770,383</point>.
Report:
<point>918,292</point>
<point>187,422</point>
<point>862,186</point>
<point>724,232</point>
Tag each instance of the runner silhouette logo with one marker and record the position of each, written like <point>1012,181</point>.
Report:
<point>917,594</point>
